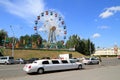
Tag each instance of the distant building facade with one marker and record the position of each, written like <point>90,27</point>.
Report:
<point>107,51</point>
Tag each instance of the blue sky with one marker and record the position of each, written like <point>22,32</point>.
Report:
<point>98,20</point>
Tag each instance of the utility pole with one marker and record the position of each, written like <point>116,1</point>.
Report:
<point>12,41</point>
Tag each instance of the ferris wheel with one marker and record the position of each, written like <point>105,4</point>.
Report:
<point>51,23</point>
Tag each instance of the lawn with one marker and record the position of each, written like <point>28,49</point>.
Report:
<point>26,54</point>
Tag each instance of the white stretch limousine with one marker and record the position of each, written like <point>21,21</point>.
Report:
<point>41,66</point>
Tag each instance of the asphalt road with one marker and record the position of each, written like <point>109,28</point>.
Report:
<point>15,71</point>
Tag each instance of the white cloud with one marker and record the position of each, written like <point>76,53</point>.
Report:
<point>26,9</point>
<point>106,14</point>
<point>109,11</point>
<point>103,27</point>
<point>96,35</point>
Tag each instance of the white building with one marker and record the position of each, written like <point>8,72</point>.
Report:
<point>107,51</point>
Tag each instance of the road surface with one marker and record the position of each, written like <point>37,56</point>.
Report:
<point>109,67</point>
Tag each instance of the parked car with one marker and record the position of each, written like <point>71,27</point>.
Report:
<point>76,59</point>
<point>91,60</point>
<point>118,56</point>
<point>31,60</point>
<point>41,66</point>
<point>6,60</point>
<point>20,61</point>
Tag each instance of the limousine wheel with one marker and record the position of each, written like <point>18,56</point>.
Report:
<point>40,71</point>
<point>80,67</point>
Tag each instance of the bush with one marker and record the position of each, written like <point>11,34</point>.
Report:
<point>1,52</point>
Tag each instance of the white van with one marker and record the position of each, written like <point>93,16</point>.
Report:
<point>6,60</point>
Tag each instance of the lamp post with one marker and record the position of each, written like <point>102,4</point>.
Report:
<point>12,41</point>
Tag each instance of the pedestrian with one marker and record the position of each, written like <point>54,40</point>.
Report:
<point>100,60</point>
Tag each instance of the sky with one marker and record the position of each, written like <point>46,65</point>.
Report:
<point>98,20</point>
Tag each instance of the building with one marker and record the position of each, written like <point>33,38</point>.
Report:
<point>107,51</point>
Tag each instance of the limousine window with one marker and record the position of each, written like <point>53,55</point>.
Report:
<point>4,58</point>
<point>11,58</point>
<point>72,61</point>
<point>34,62</point>
<point>64,61</point>
<point>45,62</point>
<point>55,61</point>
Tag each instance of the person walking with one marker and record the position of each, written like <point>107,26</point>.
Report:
<point>100,60</point>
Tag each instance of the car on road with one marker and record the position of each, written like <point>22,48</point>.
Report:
<point>118,56</point>
<point>6,60</point>
<point>20,61</point>
<point>31,60</point>
<point>91,60</point>
<point>41,66</point>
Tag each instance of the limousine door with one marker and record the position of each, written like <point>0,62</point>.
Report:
<point>47,66</point>
<point>73,64</point>
<point>56,65</point>
<point>66,65</point>
<point>52,66</point>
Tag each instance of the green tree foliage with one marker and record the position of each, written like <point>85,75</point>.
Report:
<point>26,41</point>
<point>83,46</point>
<point>37,39</point>
<point>60,44</point>
<point>1,51</point>
<point>73,41</point>
<point>3,35</point>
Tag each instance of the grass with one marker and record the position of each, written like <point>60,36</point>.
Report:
<point>26,54</point>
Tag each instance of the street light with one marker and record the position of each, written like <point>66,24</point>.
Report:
<point>12,41</point>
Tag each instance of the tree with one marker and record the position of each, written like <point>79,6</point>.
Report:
<point>89,47</point>
<point>1,51</point>
<point>92,48</point>
<point>83,46</point>
<point>73,41</point>
<point>60,44</point>
<point>37,39</point>
<point>22,42</point>
<point>9,41</point>
<point>3,35</point>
